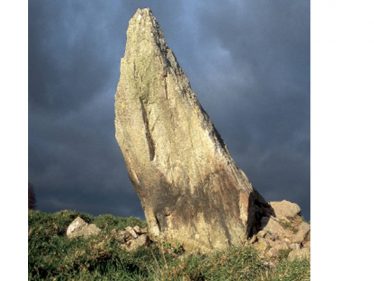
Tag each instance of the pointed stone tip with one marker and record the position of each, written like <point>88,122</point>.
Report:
<point>142,24</point>
<point>143,10</point>
<point>143,13</point>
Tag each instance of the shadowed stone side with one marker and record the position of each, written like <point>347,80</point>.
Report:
<point>190,188</point>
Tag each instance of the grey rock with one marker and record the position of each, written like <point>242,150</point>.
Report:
<point>261,233</point>
<point>134,244</point>
<point>275,228</point>
<point>306,244</point>
<point>137,229</point>
<point>190,188</point>
<point>80,228</point>
<point>295,246</point>
<point>75,226</point>
<point>132,232</point>
<point>143,230</point>
<point>271,236</point>
<point>122,235</point>
<point>285,209</point>
<point>253,239</point>
<point>287,240</point>
<point>303,231</point>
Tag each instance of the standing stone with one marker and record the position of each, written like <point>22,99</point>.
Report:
<point>190,188</point>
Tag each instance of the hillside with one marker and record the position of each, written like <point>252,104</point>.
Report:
<point>53,256</point>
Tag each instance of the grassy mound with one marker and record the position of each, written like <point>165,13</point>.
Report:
<point>54,257</point>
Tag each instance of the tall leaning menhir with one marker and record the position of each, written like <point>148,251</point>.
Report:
<point>190,188</point>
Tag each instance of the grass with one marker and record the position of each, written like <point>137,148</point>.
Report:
<point>54,257</point>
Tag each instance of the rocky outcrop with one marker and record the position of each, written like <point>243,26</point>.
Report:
<point>283,232</point>
<point>131,238</point>
<point>191,190</point>
<point>285,209</point>
<point>80,228</point>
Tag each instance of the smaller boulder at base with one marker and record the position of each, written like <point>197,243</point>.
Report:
<point>303,230</point>
<point>134,244</point>
<point>283,230</point>
<point>285,209</point>
<point>80,228</point>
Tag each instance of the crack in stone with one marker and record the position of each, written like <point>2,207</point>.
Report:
<point>150,142</point>
<point>166,87</point>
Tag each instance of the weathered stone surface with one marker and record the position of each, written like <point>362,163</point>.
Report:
<point>281,233</point>
<point>253,239</point>
<point>80,228</point>
<point>294,246</point>
<point>271,236</point>
<point>303,230</point>
<point>137,229</point>
<point>190,188</point>
<point>121,235</point>
<point>306,244</point>
<point>130,230</point>
<point>75,226</point>
<point>261,233</point>
<point>143,230</point>
<point>285,209</point>
<point>275,228</point>
<point>134,244</point>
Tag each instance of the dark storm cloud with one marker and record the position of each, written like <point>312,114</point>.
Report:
<point>248,61</point>
<point>74,55</point>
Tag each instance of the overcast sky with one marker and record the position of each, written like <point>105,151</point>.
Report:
<point>247,60</point>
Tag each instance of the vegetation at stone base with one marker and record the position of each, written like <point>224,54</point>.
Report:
<point>52,256</point>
